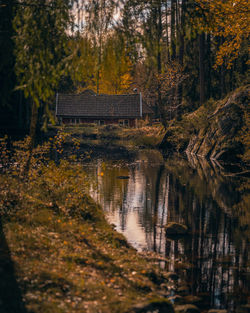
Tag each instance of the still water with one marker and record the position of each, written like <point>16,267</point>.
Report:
<point>143,193</point>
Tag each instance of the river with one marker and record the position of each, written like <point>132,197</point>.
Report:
<point>141,194</point>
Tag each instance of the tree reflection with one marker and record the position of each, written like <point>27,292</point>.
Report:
<point>214,256</point>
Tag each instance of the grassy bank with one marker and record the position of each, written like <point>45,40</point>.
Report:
<point>68,264</point>
<point>59,252</point>
<point>144,136</point>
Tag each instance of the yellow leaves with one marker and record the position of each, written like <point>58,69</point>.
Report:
<point>227,19</point>
<point>109,67</point>
<point>59,187</point>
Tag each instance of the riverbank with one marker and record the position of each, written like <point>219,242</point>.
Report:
<point>144,136</point>
<point>218,130</point>
<point>58,253</point>
<point>68,264</point>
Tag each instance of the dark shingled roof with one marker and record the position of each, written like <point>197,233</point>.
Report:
<point>88,105</point>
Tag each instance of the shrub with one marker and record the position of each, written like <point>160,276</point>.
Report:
<point>61,186</point>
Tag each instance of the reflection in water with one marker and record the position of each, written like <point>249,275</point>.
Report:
<point>214,256</point>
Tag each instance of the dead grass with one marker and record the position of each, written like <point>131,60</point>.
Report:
<point>143,136</point>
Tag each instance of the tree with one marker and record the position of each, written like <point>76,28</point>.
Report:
<point>99,17</point>
<point>116,66</point>
<point>7,59</point>
<point>165,83</point>
<point>229,19</point>
<point>83,63</point>
<point>41,50</point>
<point>41,54</point>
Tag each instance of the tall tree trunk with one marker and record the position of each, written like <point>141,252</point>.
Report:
<point>159,62</point>
<point>20,111</point>
<point>202,67</point>
<point>98,68</point>
<point>222,75</point>
<point>159,37</point>
<point>222,81</point>
<point>33,126</point>
<point>181,45</point>
<point>167,33</point>
<point>173,30</point>
<point>182,32</point>
<point>208,70</point>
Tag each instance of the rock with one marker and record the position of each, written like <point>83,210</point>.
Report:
<point>186,308</point>
<point>219,139</point>
<point>176,229</point>
<point>220,132</point>
<point>159,306</point>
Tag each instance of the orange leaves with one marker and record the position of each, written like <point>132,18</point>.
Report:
<point>228,19</point>
<point>61,187</point>
<point>171,77</point>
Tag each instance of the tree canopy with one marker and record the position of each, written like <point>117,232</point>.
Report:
<point>114,46</point>
<point>229,20</point>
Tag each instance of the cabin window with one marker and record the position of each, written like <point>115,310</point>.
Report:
<point>101,122</point>
<point>121,122</point>
<point>125,122</point>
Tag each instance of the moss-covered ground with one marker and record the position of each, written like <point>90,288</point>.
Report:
<point>65,264</point>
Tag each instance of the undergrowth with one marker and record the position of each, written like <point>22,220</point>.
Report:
<point>66,257</point>
<point>148,136</point>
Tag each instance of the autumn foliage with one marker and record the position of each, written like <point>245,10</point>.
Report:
<point>229,20</point>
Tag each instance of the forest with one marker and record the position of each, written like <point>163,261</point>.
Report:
<point>178,53</point>
<point>119,218</point>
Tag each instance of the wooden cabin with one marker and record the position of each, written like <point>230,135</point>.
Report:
<point>101,109</point>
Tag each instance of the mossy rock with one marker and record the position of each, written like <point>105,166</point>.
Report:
<point>216,131</point>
